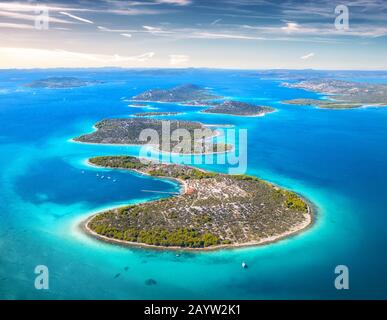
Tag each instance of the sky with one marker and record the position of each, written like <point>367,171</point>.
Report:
<point>243,34</point>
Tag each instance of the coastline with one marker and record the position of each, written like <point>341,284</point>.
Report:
<point>310,218</point>
<point>154,147</point>
<point>317,106</point>
<point>240,115</point>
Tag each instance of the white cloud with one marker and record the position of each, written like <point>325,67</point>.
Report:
<point>291,27</point>
<point>307,56</point>
<point>210,35</point>
<point>16,26</point>
<point>24,7</point>
<point>11,57</point>
<point>76,17</point>
<point>29,17</point>
<point>127,35</point>
<point>215,22</point>
<point>175,59</point>
<point>151,29</point>
<point>175,2</point>
<point>156,30</point>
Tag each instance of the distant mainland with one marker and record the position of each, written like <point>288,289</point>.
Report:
<point>341,94</point>
<point>61,83</point>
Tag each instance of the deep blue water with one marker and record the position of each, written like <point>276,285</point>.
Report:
<point>337,159</point>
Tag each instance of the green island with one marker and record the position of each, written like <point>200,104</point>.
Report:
<point>238,108</point>
<point>193,95</point>
<point>61,83</point>
<point>342,94</point>
<point>213,210</point>
<point>127,131</point>
<point>187,94</point>
<point>153,114</point>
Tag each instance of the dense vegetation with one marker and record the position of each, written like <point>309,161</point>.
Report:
<point>128,131</point>
<point>187,93</point>
<point>182,237</point>
<point>238,108</point>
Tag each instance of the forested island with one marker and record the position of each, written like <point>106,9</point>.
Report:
<point>213,211</point>
<point>341,94</point>
<point>187,94</point>
<point>61,83</point>
<point>127,131</point>
<point>194,95</point>
<point>238,108</point>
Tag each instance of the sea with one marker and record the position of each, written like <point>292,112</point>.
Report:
<point>337,159</point>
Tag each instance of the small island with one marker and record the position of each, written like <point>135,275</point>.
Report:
<point>61,83</point>
<point>193,95</point>
<point>185,94</point>
<point>341,94</point>
<point>238,108</point>
<point>323,104</point>
<point>213,210</point>
<point>154,114</point>
<point>127,131</point>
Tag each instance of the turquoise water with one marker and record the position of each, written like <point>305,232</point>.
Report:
<point>337,159</point>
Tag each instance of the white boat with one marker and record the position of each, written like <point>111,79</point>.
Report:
<point>244,265</point>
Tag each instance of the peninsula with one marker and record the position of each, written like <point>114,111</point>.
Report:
<point>196,138</point>
<point>213,211</point>
<point>341,94</point>
<point>61,83</point>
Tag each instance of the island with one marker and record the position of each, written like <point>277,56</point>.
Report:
<point>61,83</point>
<point>238,108</point>
<point>127,131</point>
<point>212,211</point>
<point>186,94</point>
<point>341,94</point>
<point>193,95</point>
<point>153,114</point>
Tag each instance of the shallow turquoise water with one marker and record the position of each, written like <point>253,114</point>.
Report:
<point>337,159</point>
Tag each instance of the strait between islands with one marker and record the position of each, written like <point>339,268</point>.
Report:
<point>213,210</point>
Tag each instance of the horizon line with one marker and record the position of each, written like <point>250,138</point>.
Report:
<point>188,68</point>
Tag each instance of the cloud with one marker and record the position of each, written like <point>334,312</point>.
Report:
<point>175,59</point>
<point>291,27</point>
<point>211,35</point>
<point>76,17</point>
<point>215,22</point>
<point>11,57</point>
<point>127,35</point>
<point>24,7</point>
<point>16,26</point>
<point>30,17</point>
<point>175,2</point>
<point>307,56</point>
<point>156,30</point>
